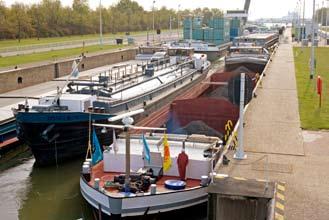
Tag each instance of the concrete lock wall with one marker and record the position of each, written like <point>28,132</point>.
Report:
<point>20,78</point>
<point>237,207</point>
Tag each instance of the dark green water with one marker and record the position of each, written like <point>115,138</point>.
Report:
<point>28,192</point>
<point>52,193</point>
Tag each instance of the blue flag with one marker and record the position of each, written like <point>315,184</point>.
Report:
<point>146,150</point>
<point>96,150</point>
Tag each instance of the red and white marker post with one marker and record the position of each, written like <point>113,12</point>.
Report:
<point>319,89</point>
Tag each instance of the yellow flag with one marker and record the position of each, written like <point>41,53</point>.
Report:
<point>166,154</point>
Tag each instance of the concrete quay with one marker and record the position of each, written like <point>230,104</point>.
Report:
<point>278,150</point>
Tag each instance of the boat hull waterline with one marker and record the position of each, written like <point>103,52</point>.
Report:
<point>139,205</point>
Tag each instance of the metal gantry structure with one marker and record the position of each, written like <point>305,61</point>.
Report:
<point>246,9</point>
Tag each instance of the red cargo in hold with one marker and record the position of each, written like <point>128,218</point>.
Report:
<point>213,112</point>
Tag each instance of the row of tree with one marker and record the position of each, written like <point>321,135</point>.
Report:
<point>51,19</point>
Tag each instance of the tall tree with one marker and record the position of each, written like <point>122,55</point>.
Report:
<point>49,18</point>
<point>80,14</point>
<point>37,20</point>
<point>22,21</point>
<point>6,27</point>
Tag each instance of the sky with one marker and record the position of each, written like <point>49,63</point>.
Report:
<point>258,8</point>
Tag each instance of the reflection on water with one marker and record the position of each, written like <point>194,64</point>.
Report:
<point>29,192</point>
<point>14,184</point>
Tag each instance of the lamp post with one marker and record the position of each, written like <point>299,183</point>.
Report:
<point>303,23</point>
<point>327,16</point>
<point>100,24</point>
<point>178,21</point>
<point>312,47</point>
<point>298,20</point>
<point>170,28</point>
<point>322,13</point>
<point>191,29</point>
<point>153,20</point>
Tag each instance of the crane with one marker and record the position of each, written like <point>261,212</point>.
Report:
<point>246,9</point>
<point>243,14</point>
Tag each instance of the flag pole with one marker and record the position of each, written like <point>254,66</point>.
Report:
<point>89,134</point>
<point>127,177</point>
<point>60,91</point>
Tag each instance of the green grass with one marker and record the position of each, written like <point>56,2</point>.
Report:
<point>34,41</point>
<point>312,117</point>
<point>52,55</point>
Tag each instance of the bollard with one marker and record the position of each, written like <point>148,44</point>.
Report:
<point>153,189</point>
<point>86,172</point>
<point>204,180</point>
<point>96,183</point>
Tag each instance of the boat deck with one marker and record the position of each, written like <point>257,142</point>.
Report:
<point>98,172</point>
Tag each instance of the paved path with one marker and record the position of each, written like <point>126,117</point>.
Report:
<point>139,40</point>
<point>273,137</point>
<point>28,49</point>
<point>274,114</point>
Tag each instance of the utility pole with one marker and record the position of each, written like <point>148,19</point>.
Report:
<point>100,24</point>
<point>312,46</point>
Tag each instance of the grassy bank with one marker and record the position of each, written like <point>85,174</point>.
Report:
<point>312,117</point>
<point>53,55</point>
<point>35,41</point>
